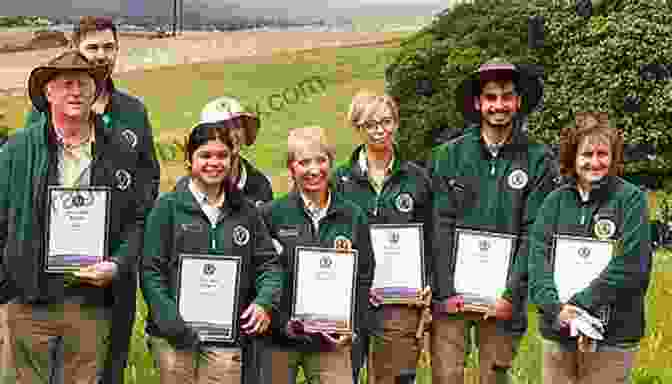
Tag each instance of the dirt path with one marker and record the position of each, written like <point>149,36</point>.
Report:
<point>139,53</point>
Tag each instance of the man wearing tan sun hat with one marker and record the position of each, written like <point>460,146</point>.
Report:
<point>69,148</point>
<point>245,125</point>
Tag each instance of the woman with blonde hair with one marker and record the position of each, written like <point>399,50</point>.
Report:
<point>590,309</point>
<point>391,190</point>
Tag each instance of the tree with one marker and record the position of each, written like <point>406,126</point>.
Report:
<point>589,63</point>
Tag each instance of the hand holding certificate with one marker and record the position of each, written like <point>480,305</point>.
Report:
<point>77,231</point>
<point>400,272</point>
<point>324,289</point>
<point>577,261</point>
<point>481,267</point>
<point>207,296</point>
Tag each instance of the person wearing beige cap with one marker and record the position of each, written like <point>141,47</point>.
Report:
<point>70,148</point>
<point>228,111</point>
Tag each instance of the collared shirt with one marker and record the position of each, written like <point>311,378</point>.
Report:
<point>314,211</point>
<point>584,194</point>
<point>493,148</point>
<point>212,212</point>
<point>376,181</point>
<point>74,162</point>
<point>242,179</point>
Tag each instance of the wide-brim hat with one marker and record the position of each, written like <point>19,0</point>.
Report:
<point>66,62</point>
<point>526,83</point>
<point>228,108</point>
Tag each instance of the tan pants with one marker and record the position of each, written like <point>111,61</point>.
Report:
<point>496,351</point>
<point>397,348</point>
<point>609,364</point>
<point>327,367</point>
<point>213,366</point>
<point>84,330</point>
<point>6,356</point>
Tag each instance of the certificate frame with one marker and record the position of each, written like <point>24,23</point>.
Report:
<point>473,302</point>
<point>403,295</point>
<point>314,322</point>
<point>554,251</point>
<point>209,332</point>
<point>77,199</point>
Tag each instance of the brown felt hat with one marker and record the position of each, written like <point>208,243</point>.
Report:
<point>66,62</point>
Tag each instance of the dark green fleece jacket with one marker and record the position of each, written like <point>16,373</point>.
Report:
<point>177,225</point>
<point>475,190</point>
<point>617,295</point>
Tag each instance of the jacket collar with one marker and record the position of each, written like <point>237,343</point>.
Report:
<point>600,191</point>
<point>335,205</point>
<point>518,141</point>
<point>361,174</point>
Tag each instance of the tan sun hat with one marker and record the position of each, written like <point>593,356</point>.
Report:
<point>66,62</point>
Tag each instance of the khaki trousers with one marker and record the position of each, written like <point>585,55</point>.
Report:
<point>397,348</point>
<point>608,364</point>
<point>83,329</point>
<point>6,356</point>
<point>448,339</point>
<point>325,367</point>
<point>213,366</point>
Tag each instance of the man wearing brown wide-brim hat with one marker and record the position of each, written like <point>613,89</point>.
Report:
<point>69,148</point>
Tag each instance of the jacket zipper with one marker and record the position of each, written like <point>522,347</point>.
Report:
<point>492,167</point>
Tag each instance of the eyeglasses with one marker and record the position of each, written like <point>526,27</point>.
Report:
<point>371,125</point>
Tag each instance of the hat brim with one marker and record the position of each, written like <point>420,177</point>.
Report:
<point>530,87</point>
<point>41,75</point>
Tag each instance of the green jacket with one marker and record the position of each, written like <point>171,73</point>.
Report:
<point>474,190</point>
<point>178,225</point>
<point>617,296</point>
<point>290,225</point>
<point>405,197</point>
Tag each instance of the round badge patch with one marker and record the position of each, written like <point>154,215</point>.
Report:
<point>604,229</point>
<point>131,137</point>
<point>518,179</point>
<point>404,202</point>
<point>241,236</point>
<point>342,243</point>
<point>124,179</point>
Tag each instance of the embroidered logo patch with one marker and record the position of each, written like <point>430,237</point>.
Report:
<point>124,179</point>
<point>604,229</point>
<point>131,137</point>
<point>518,179</point>
<point>342,243</point>
<point>241,236</point>
<point>404,202</point>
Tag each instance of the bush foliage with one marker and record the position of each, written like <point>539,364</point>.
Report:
<point>589,63</point>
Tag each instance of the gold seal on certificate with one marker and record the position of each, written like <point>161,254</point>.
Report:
<point>77,228</point>
<point>207,296</point>
<point>481,267</point>
<point>577,261</point>
<point>400,266</point>
<point>324,289</point>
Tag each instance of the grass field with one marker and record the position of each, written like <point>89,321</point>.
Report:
<point>174,97</point>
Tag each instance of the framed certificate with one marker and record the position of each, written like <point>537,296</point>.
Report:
<point>400,262</point>
<point>324,289</point>
<point>207,296</point>
<point>577,261</point>
<point>481,267</point>
<point>77,227</point>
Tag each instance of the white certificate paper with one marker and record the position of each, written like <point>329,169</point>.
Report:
<point>324,284</point>
<point>398,250</point>
<point>578,261</point>
<point>78,227</point>
<point>482,264</point>
<point>208,287</point>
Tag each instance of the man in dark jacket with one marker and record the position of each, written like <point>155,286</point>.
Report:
<point>491,179</point>
<point>96,38</point>
<point>70,147</point>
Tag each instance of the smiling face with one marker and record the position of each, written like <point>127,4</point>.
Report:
<point>593,159</point>
<point>211,163</point>
<point>498,103</point>
<point>378,128</point>
<point>71,94</point>
<point>311,168</point>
